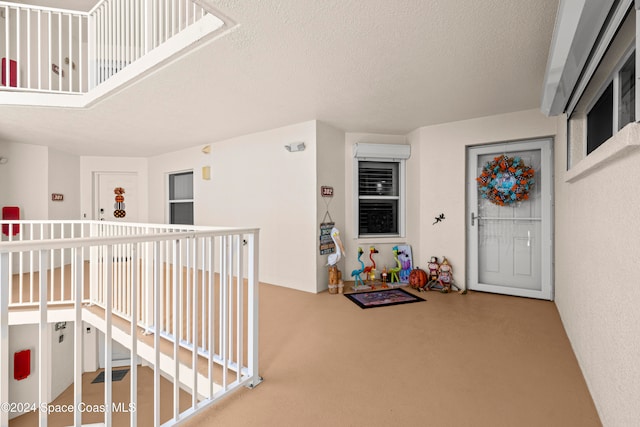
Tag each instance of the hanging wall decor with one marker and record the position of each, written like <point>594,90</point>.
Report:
<point>506,180</point>
<point>119,211</point>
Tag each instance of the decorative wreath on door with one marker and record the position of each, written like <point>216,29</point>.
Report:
<point>506,180</point>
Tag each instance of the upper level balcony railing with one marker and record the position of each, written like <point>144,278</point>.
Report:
<point>57,51</point>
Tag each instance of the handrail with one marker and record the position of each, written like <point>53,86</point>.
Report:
<point>194,287</point>
<point>68,243</point>
<point>43,8</point>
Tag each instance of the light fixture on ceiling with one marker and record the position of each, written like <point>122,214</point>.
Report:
<point>3,160</point>
<point>295,146</point>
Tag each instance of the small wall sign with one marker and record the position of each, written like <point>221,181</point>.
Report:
<point>57,197</point>
<point>326,191</point>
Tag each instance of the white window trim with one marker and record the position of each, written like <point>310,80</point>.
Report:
<point>396,153</point>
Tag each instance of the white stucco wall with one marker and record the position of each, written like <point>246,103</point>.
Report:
<point>23,179</point>
<point>64,178</point>
<point>330,172</point>
<point>597,293</point>
<point>61,355</point>
<point>255,182</point>
<point>443,176</point>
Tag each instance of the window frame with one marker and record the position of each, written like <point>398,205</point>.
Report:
<point>401,197</point>
<point>614,80</point>
<point>171,202</point>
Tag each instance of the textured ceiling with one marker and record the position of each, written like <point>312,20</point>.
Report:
<point>375,66</point>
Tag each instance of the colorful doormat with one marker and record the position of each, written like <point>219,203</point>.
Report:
<point>383,298</point>
<point>116,375</point>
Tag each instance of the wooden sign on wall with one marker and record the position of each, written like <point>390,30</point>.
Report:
<point>56,197</point>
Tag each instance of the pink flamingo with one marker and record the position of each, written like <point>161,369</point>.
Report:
<point>369,271</point>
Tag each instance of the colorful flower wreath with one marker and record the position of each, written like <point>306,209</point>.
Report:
<point>505,180</point>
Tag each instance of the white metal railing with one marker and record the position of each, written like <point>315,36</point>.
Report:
<point>194,288</point>
<point>43,49</point>
<point>50,50</point>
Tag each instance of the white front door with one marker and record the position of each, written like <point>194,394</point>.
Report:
<point>510,242</point>
<point>116,196</point>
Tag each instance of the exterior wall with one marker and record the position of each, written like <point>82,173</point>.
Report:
<point>442,160</point>
<point>330,172</point>
<point>24,179</point>
<point>64,178</point>
<point>255,182</point>
<point>597,251</point>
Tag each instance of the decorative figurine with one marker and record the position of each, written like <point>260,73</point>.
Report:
<point>445,277</point>
<point>336,284</point>
<point>370,270</point>
<point>394,271</point>
<point>418,279</point>
<point>359,284</point>
<point>384,275</point>
<point>333,259</point>
<point>433,267</point>
<point>405,261</point>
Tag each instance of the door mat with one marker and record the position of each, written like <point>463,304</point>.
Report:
<point>383,298</point>
<point>116,375</point>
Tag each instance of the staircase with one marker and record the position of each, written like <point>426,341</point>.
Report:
<point>66,58</point>
<point>184,300</point>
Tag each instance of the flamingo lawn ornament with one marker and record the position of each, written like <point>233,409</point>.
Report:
<point>394,271</point>
<point>370,270</point>
<point>333,259</point>
<point>357,273</point>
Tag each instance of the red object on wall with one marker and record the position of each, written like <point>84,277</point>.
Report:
<point>9,213</point>
<point>13,72</point>
<point>21,364</point>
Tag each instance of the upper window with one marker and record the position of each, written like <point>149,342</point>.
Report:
<point>604,98</point>
<point>379,181</point>
<point>615,108</point>
<point>181,198</point>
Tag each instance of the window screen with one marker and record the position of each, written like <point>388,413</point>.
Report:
<point>378,197</point>
<point>600,120</point>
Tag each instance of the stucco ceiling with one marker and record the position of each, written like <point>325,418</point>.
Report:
<point>377,66</point>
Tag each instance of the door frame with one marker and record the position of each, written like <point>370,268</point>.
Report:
<point>96,175</point>
<point>546,181</point>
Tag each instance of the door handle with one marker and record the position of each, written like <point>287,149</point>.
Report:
<point>474,217</point>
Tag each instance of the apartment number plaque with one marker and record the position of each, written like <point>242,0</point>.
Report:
<point>326,191</point>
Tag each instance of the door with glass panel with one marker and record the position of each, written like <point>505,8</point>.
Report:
<point>510,218</point>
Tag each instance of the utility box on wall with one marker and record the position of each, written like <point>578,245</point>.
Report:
<point>21,364</point>
<point>13,72</point>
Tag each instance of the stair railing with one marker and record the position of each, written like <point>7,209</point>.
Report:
<point>194,288</point>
